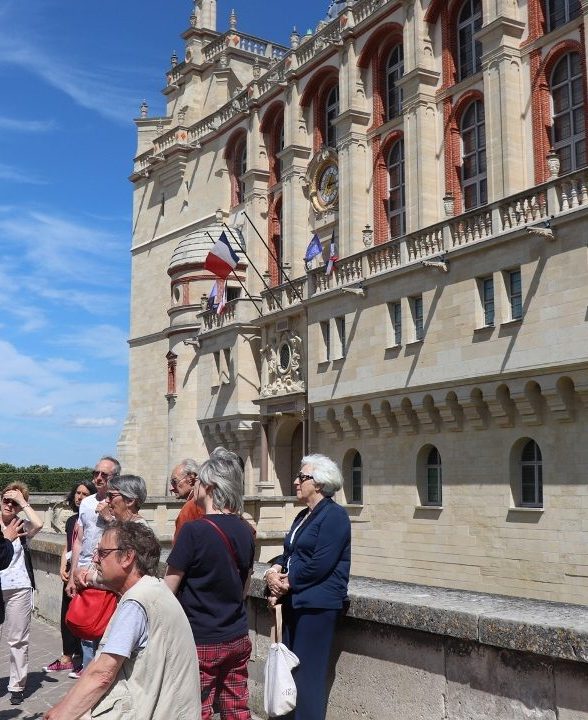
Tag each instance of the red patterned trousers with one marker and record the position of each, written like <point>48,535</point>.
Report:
<point>223,679</point>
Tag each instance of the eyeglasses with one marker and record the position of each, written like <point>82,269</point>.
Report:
<point>100,473</point>
<point>174,482</point>
<point>110,495</point>
<point>8,501</point>
<point>104,552</point>
<point>302,477</point>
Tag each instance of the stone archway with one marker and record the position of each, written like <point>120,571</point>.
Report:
<point>287,453</point>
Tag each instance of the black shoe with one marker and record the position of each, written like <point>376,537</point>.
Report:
<point>16,698</point>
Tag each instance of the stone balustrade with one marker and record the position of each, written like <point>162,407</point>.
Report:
<point>407,650</point>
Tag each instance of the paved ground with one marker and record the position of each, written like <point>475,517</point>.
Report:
<point>43,689</point>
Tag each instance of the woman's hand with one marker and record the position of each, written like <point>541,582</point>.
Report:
<point>278,584</point>
<point>14,529</point>
<point>64,575</point>
<point>103,509</point>
<point>17,496</point>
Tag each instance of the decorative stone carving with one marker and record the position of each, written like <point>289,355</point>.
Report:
<point>283,366</point>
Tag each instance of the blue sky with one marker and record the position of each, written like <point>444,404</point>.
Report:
<point>73,76</point>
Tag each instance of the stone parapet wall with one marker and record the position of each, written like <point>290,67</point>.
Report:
<point>415,651</point>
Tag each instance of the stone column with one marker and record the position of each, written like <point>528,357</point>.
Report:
<point>421,147</point>
<point>503,107</point>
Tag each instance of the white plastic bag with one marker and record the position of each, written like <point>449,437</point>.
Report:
<point>279,692</point>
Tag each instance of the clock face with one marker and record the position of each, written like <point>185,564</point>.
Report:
<point>328,185</point>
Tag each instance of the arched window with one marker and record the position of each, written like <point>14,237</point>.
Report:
<point>531,475</point>
<point>394,71</point>
<point>240,169</point>
<point>276,257</point>
<point>473,169</point>
<point>433,489</point>
<point>331,113</point>
<point>560,12</point>
<point>567,95</point>
<point>356,481</point>
<point>396,196</point>
<point>469,50</point>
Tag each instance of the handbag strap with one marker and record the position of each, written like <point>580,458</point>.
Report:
<point>225,539</point>
<point>276,631</point>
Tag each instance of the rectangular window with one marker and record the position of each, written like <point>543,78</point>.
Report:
<point>395,311</point>
<point>326,333</point>
<point>515,294</point>
<point>341,339</point>
<point>417,317</point>
<point>217,368</point>
<point>356,485</point>
<point>487,297</point>
<point>433,486</point>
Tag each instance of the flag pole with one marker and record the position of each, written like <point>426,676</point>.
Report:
<point>298,295</point>
<point>241,282</point>
<point>259,275</point>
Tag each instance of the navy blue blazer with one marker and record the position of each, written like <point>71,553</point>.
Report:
<point>319,557</point>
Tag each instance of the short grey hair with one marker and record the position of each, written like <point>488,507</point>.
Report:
<point>115,462</point>
<point>132,536</point>
<point>189,467</point>
<point>226,479</point>
<point>131,486</point>
<point>326,473</point>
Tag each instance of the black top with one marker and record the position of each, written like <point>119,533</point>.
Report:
<point>211,591</point>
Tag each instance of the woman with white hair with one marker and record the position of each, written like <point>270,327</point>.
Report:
<point>310,578</point>
<point>209,568</point>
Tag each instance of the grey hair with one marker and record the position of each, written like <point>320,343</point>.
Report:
<point>222,452</point>
<point>140,539</point>
<point>326,473</point>
<point>225,478</point>
<point>115,462</point>
<point>189,467</point>
<point>131,486</point>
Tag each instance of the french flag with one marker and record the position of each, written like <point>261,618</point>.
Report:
<point>222,259</point>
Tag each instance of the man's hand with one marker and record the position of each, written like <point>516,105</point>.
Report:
<point>14,529</point>
<point>70,588</point>
<point>103,509</point>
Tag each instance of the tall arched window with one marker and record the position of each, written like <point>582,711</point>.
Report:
<point>567,96</point>
<point>531,475</point>
<point>356,481</point>
<point>433,488</point>
<point>394,71</point>
<point>396,197</point>
<point>473,169</point>
<point>331,113</point>
<point>276,257</point>
<point>560,12</point>
<point>469,50</point>
<point>240,169</point>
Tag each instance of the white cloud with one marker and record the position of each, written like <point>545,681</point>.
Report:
<point>26,126</point>
<point>92,88</point>
<point>44,411</point>
<point>96,422</point>
<point>17,175</point>
<point>103,342</point>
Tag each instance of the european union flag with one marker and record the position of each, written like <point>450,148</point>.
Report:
<point>314,248</point>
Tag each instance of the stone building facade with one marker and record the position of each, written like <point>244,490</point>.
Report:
<point>438,150</point>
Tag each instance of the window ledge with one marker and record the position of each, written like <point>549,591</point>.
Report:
<point>509,323</point>
<point>428,507</point>
<point>414,343</point>
<point>395,347</point>
<point>525,509</point>
<point>484,329</point>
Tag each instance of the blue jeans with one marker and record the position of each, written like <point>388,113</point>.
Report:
<point>89,648</point>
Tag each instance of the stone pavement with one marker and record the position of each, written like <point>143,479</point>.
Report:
<point>43,689</point>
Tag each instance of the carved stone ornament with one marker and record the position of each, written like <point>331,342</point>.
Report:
<point>282,366</point>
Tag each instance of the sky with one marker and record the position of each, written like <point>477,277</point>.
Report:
<point>73,76</point>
